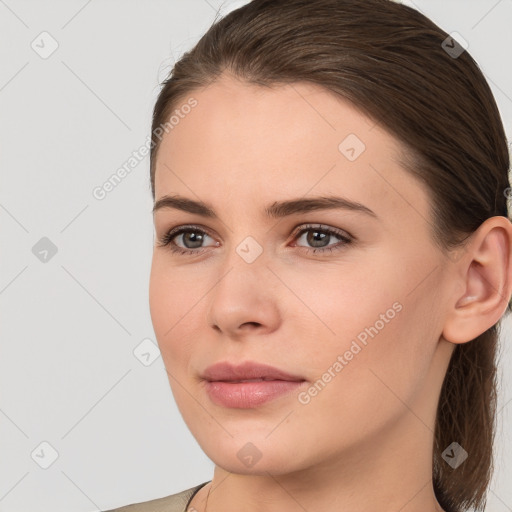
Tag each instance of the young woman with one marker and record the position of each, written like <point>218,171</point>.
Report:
<point>333,258</point>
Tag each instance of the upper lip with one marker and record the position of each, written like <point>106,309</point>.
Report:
<point>225,371</point>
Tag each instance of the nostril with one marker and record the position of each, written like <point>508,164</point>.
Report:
<point>256,324</point>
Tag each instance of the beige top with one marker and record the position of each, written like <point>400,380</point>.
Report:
<point>173,503</point>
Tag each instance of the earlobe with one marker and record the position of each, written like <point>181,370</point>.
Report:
<point>486,271</point>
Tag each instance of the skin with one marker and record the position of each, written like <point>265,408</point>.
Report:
<point>364,442</point>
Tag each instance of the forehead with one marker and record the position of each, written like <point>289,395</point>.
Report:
<point>243,140</point>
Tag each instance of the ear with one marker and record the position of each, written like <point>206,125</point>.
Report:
<point>484,273</point>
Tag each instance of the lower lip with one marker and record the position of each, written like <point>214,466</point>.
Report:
<point>245,395</point>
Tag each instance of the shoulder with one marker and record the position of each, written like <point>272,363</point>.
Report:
<point>172,503</point>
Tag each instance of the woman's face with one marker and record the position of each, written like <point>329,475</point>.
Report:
<point>347,299</point>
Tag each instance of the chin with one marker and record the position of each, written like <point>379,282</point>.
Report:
<point>251,453</point>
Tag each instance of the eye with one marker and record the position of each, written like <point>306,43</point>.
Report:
<point>318,237</point>
<point>192,238</point>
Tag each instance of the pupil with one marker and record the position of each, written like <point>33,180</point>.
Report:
<point>312,240</point>
<point>196,238</point>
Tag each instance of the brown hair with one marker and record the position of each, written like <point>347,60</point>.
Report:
<point>394,65</point>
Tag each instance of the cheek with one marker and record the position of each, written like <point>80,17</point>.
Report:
<point>174,303</point>
<point>338,300</point>
<point>359,387</point>
<point>369,326</point>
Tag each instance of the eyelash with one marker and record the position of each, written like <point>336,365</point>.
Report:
<point>166,240</point>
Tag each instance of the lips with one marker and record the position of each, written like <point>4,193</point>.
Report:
<point>247,372</point>
<point>248,380</point>
<point>248,385</point>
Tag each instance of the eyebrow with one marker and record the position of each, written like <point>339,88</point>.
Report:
<point>275,210</point>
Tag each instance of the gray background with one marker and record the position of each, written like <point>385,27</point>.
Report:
<point>70,325</point>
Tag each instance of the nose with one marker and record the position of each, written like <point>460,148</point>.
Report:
<point>245,300</point>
